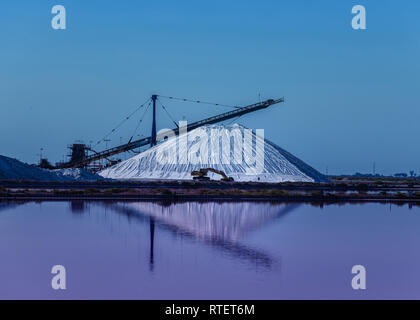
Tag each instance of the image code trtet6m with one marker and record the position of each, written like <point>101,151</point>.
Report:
<point>209,159</point>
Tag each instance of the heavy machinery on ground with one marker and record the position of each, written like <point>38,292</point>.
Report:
<point>201,175</point>
<point>80,157</point>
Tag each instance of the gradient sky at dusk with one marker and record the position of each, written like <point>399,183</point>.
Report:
<point>351,96</point>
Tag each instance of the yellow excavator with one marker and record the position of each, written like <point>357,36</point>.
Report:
<point>201,175</point>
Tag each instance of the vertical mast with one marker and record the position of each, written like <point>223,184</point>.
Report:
<point>153,137</point>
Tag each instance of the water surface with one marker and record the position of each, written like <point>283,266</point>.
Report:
<point>208,250</point>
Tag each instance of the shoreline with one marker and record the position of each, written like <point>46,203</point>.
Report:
<point>223,198</point>
<point>338,190</point>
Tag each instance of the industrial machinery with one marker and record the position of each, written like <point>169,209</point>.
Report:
<point>201,175</point>
<point>80,158</point>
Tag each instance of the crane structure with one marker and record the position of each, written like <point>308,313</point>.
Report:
<point>82,161</point>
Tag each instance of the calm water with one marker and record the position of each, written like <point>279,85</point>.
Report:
<point>140,250</point>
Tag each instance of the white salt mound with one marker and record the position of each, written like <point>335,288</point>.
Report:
<point>12,169</point>
<point>78,174</point>
<point>205,149</point>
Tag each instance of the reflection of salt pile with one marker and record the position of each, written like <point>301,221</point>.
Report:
<point>237,151</point>
<point>12,169</point>
<point>225,221</point>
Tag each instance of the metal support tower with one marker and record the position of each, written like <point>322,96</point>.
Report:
<point>153,136</point>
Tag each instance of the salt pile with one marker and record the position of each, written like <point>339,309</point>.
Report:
<point>12,169</point>
<point>78,174</point>
<point>249,157</point>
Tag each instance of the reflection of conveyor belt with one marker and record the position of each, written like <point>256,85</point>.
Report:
<point>217,224</point>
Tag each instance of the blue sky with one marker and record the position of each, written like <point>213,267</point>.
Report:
<point>351,96</point>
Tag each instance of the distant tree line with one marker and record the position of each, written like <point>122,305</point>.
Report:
<point>411,174</point>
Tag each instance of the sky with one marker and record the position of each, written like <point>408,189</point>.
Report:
<point>351,95</point>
